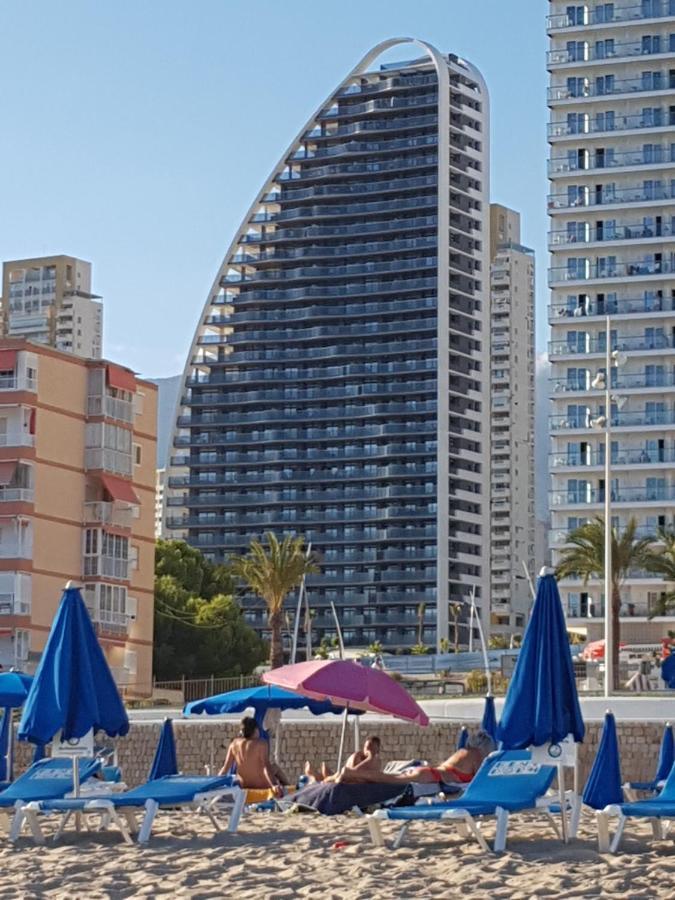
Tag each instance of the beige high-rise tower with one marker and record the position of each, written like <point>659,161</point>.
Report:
<point>49,300</point>
<point>512,422</point>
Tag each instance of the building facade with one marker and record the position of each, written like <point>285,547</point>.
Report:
<point>512,536</point>
<point>335,387</point>
<point>612,242</point>
<point>77,488</point>
<point>160,482</point>
<point>49,300</point>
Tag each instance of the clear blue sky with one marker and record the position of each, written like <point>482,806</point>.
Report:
<point>136,134</point>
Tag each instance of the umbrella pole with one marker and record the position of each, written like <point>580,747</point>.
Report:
<point>342,737</point>
<point>563,801</point>
<point>9,759</point>
<point>357,734</point>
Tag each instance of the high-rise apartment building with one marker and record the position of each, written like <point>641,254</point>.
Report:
<point>612,241</point>
<point>512,401</point>
<point>49,300</point>
<point>336,384</point>
<point>77,489</point>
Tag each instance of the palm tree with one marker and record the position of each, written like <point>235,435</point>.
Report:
<point>662,562</point>
<point>272,570</point>
<point>455,612</point>
<point>420,623</point>
<point>584,555</point>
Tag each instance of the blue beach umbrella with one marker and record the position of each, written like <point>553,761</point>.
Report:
<point>260,699</point>
<point>463,738</point>
<point>5,737</point>
<point>542,704</point>
<point>489,721</point>
<point>14,689</point>
<point>604,781</point>
<point>666,754</point>
<point>165,762</point>
<point>73,690</point>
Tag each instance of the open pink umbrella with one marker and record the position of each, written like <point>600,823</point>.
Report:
<point>347,683</point>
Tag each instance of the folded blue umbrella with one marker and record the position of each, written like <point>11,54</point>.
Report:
<point>542,704</point>
<point>666,754</point>
<point>604,780</point>
<point>73,690</point>
<point>463,738</point>
<point>489,722</point>
<point>165,761</point>
<point>5,738</point>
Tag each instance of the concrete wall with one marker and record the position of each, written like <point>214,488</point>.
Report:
<point>198,743</point>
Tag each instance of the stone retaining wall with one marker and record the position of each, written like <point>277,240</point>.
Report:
<point>199,743</point>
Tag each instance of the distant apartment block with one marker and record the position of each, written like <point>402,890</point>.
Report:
<point>336,387</point>
<point>160,481</point>
<point>612,240</point>
<point>512,536</point>
<point>49,300</point>
<point>77,499</point>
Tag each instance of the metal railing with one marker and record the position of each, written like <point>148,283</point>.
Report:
<point>196,688</point>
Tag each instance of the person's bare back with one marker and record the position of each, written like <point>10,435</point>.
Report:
<point>251,757</point>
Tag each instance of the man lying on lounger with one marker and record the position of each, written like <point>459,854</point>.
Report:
<point>251,755</point>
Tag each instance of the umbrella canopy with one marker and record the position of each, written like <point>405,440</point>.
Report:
<point>73,690</point>
<point>596,651</point>
<point>604,781</point>
<point>14,688</point>
<point>5,738</point>
<point>542,704</point>
<point>259,698</point>
<point>666,754</point>
<point>347,683</point>
<point>165,761</point>
<point>489,721</point>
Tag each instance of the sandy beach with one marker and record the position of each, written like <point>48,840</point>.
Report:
<point>276,856</point>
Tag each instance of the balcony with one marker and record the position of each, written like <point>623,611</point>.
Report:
<point>17,439</point>
<point>609,124</point>
<point>619,306</point>
<point>586,344</point>
<point>597,161</point>
<point>632,495</point>
<point>608,14</point>
<point>636,419</point>
<point>585,233</point>
<point>636,456</point>
<point>116,461</point>
<point>16,382</point>
<point>640,381</point>
<point>12,604</point>
<point>111,407</point>
<point>100,566</point>
<point>9,494</point>
<point>103,513</point>
<point>620,50</point>
<point>579,198</point>
<point>603,270</point>
<point>111,623</point>
<point>656,82</point>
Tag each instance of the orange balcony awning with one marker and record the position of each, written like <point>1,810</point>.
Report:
<point>7,360</point>
<point>120,378</point>
<point>7,470</point>
<point>119,489</point>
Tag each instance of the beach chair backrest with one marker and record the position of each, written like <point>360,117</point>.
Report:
<point>510,774</point>
<point>49,778</point>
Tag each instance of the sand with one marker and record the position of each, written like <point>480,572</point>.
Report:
<point>279,856</point>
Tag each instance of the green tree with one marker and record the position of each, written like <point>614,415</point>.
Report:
<point>272,570</point>
<point>419,649</point>
<point>444,645</point>
<point>199,627</point>
<point>499,642</point>
<point>584,556</point>
<point>323,650</point>
<point>661,561</point>
<point>375,648</point>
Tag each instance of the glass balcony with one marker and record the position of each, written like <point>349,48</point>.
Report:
<point>358,329</point>
<point>355,146</point>
<point>353,209</point>
<point>111,407</point>
<point>383,123</point>
<point>581,197</point>
<point>614,307</point>
<point>370,349</point>
<point>637,418</point>
<point>343,251</point>
<point>656,82</point>
<point>621,456</point>
<point>106,567</point>
<point>589,234</point>
<point>647,341</point>
<point>604,123</point>
<point>607,13</point>
<point>320,231</point>
<point>16,382</point>
<point>285,395</point>
<point>370,268</point>
<point>9,494</point>
<point>604,269</point>
<point>116,461</point>
<point>633,495</point>
<point>365,287</point>
<point>359,188</point>
<point>596,161</point>
<point>354,167</point>
<point>104,513</point>
<point>616,50</point>
<point>17,439</point>
<point>388,84</point>
<point>351,109</point>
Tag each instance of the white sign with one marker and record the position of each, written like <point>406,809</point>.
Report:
<point>563,753</point>
<point>83,746</point>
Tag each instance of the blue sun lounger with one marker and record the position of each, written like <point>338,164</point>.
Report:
<point>654,809</point>
<point>508,781</point>
<point>198,794</point>
<point>48,779</point>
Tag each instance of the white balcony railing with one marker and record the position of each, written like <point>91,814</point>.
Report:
<point>106,567</point>
<point>16,495</point>
<point>14,605</point>
<point>109,460</point>
<point>112,407</point>
<point>16,382</point>
<point>105,513</point>
<point>17,439</point>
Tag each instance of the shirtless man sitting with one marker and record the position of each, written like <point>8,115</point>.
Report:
<point>250,753</point>
<point>360,764</point>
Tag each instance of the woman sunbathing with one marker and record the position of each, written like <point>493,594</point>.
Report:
<point>460,766</point>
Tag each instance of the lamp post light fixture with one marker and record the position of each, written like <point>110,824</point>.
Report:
<point>603,381</point>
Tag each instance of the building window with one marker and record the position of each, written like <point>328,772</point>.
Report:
<point>137,454</point>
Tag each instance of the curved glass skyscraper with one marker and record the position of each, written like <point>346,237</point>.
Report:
<point>336,384</point>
